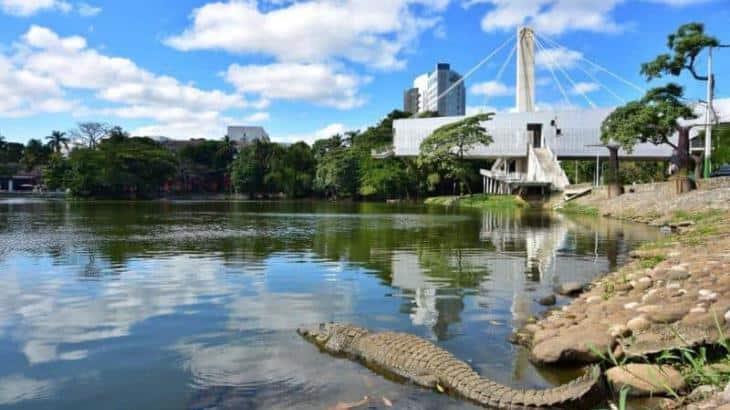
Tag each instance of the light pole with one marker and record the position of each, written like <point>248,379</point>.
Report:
<point>710,111</point>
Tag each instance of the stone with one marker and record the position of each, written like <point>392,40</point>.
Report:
<point>642,284</point>
<point>573,345</point>
<point>725,395</point>
<point>678,274</point>
<point>619,331</point>
<point>701,393</point>
<point>570,288</point>
<point>646,379</point>
<point>593,299</point>
<point>631,306</point>
<point>727,316</point>
<point>638,324</point>
<point>548,300</point>
<point>669,313</point>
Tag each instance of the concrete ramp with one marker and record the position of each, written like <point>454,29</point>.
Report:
<point>547,169</point>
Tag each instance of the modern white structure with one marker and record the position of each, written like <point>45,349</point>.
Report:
<point>525,70</point>
<point>247,134</point>
<point>427,89</point>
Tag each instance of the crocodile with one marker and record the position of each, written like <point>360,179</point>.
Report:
<point>411,358</point>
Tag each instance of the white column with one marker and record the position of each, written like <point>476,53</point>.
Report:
<point>525,70</point>
<point>10,185</point>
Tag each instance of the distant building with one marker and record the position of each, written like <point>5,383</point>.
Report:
<point>247,134</point>
<point>410,100</point>
<point>430,86</point>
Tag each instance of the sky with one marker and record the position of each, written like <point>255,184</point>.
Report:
<point>308,69</point>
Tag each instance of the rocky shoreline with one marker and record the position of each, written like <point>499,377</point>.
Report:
<point>642,320</point>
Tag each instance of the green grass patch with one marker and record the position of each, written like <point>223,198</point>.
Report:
<point>578,209</point>
<point>651,262</point>
<point>480,201</point>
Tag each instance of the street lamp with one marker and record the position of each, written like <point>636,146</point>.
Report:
<point>710,110</point>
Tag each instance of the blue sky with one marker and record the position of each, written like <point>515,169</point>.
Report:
<point>306,69</point>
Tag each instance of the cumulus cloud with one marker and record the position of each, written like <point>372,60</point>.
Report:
<point>492,89</point>
<point>88,10</point>
<point>371,32</point>
<point>24,8</point>
<point>46,67</point>
<point>319,83</point>
<point>584,88</point>
<point>322,133</point>
<point>557,57</point>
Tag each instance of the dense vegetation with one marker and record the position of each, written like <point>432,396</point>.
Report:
<point>106,162</point>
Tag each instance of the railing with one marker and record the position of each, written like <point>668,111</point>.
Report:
<point>382,153</point>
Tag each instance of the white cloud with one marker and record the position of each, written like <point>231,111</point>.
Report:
<point>550,16</point>
<point>584,88</point>
<point>319,83</point>
<point>371,32</point>
<point>480,109</point>
<point>26,8</point>
<point>492,89</point>
<point>87,10</point>
<point>257,117</point>
<point>46,67</point>
<point>323,133</point>
<point>557,56</point>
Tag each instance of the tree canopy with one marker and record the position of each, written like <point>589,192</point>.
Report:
<point>653,118</point>
<point>685,45</point>
<point>445,148</point>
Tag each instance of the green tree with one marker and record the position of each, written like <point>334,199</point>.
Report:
<point>655,119</point>
<point>447,146</point>
<point>338,167</point>
<point>56,173</point>
<point>684,45</point>
<point>35,154</point>
<point>57,141</point>
<point>291,170</point>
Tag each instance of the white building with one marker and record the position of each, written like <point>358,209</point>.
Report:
<point>431,85</point>
<point>247,134</point>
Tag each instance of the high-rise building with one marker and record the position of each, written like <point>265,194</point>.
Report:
<point>432,85</point>
<point>247,134</point>
<point>410,100</point>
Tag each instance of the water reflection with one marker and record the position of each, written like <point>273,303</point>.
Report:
<point>193,304</point>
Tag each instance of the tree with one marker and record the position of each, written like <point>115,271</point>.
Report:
<point>655,119</point>
<point>35,154</point>
<point>447,146</point>
<point>57,140</point>
<point>685,45</point>
<point>338,167</point>
<point>291,170</point>
<point>117,134</point>
<point>91,133</point>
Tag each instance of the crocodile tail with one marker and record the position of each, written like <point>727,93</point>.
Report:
<point>495,395</point>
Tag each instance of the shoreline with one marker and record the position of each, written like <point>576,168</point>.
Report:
<point>662,307</point>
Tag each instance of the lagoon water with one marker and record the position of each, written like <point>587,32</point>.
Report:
<point>194,305</point>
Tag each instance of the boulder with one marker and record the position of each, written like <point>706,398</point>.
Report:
<point>646,379</point>
<point>570,288</point>
<point>576,344</point>
<point>638,324</point>
<point>548,300</point>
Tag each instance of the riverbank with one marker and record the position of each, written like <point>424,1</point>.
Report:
<point>669,305</point>
<point>478,201</point>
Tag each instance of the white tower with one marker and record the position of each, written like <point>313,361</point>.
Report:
<point>525,70</point>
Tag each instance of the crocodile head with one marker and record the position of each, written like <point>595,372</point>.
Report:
<point>332,337</point>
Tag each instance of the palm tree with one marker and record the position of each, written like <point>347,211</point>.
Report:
<point>56,140</point>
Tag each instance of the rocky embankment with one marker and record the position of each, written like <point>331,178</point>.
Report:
<point>673,294</point>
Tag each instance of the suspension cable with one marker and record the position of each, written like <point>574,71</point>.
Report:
<point>565,73</point>
<point>473,69</point>
<point>602,85</point>
<point>555,77</point>
<point>597,66</point>
<point>501,71</point>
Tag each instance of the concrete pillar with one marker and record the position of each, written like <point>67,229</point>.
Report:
<point>10,185</point>
<point>525,70</point>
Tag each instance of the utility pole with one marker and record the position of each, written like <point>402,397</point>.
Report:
<point>709,115</point>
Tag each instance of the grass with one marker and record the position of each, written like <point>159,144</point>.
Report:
<point>480,201</point>
<point>651,261</point>
<point>577,209</point>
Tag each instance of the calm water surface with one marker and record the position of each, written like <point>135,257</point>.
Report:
<point>194,305</point>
